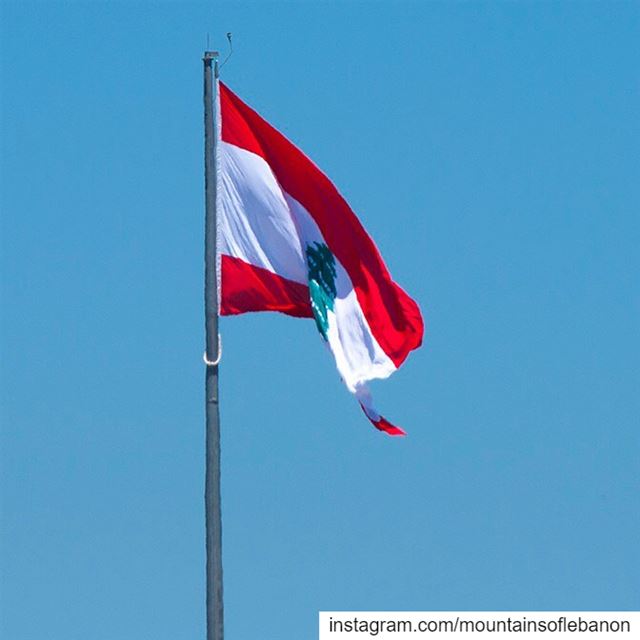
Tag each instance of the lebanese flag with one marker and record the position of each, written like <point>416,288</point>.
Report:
<point>288,242</point>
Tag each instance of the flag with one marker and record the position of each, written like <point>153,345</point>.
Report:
<point>288,242</point>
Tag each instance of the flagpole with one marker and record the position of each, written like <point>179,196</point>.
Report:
<point>213,512</point>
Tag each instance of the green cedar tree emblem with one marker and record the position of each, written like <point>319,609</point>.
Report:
<point>322,283</point>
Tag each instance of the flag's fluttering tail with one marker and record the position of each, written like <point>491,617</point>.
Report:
<point>288,242</point>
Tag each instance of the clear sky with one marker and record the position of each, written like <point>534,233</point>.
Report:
<point>491,149</point>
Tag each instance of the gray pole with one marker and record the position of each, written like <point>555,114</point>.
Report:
<point>213,512</point>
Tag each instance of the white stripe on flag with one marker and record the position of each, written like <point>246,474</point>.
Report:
<point>255,223</point>
<point>359,356</point>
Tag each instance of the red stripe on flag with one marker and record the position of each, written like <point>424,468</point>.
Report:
<point>382,424</point>
<point>393,316</point>
<point>246,287</point>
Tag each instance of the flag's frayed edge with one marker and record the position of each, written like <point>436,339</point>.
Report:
<point>379,422</point>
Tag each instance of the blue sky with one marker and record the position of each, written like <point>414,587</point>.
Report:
<point>491,149</point>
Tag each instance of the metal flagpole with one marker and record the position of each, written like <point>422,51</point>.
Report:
<point>213,512</point>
